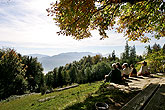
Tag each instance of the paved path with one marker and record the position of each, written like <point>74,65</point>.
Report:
<point>135,84</point>
<point>138,83</point>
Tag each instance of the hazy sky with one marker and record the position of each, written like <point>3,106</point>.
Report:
<point>25,26</point>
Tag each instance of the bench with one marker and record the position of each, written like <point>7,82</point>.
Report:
<point>150,98</point>
<point>157,102</point>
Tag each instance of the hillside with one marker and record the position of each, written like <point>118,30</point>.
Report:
<point>82,97</point>
<point>50,62</point>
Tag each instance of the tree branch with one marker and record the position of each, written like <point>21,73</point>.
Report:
<point>122,1</point>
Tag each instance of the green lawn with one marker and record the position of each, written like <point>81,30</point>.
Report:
<point>82,97</point>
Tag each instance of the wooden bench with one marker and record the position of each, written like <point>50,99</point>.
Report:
<point>157,102</point>
<point>146,98</point>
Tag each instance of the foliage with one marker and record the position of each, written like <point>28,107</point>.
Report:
<point>43,90</point>
<point>11,74</point>
<point>33,73</point>
<point>60,79</point>
<point>156,61</point>
<point>86,70</point>
<point>149,50</point>
<point>133,55</point>
<point>96,59</point>
<point>155,56</point>
<point>73,74</point>
<point>100,70</point>
<point>49,79</point>
<point>88,74</point>
<point>156,47</point>
<point>89,68</point>
<point>134,18</point>
<point>19,74</point>
<point>129,55</point>
<point>163,48</point>
<point>113,55</point>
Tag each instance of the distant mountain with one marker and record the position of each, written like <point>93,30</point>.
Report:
<point>50,62</point>
<point>106,55</point>
<point>38,55</point>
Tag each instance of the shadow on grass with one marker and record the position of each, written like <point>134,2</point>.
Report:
<point>109,94</point>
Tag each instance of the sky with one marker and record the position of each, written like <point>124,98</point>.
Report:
<point>25,26</point>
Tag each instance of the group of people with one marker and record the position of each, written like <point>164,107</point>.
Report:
<point>119,72</point>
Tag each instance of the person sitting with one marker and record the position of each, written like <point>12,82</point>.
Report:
<point>114,75</point>
<point>118,66</point>
<point>126,71</point>
<point>144,71</point>
<point>133,72</point>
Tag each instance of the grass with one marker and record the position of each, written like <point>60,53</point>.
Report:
<point>82,97</point>
<point>60,101</point>
<point>113,97</point>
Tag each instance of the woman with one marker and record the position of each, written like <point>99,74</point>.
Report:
<point>144,69</point>
<point>126,71</point>
<point>133,72</point>
<point>118,66</point>
<point>114,75</point>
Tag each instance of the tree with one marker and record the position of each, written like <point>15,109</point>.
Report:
<point>125,56</point>
<point>135,17</point>
<point>96,59</point>
<point>109,58</point>
<point>127,50</point>
<point>163,48</point>
<point>49,79</point>
<point>81,78</point>
<point>33,73</point>
<point>113,55</point>
<point>100,70</point>
<point>129,55</point>
<point>88,60</point>
<point>12,74</point>
<point>88,74</point>
<point>156,61</point>
<point>156,47</point>
<point>60,79</point>
<point>139,58</point>
<point>73,74</point>
<point>132,55</point>
<point>149,50</point>
<point>66,77</point>
<point>55,73</point>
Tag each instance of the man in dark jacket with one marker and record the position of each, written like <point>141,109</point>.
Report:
<point>114,76</point>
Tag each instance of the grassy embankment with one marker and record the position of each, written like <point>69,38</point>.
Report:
<point>82,97</point>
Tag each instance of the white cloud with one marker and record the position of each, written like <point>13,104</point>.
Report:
<point>25,23</point>
<point>29,23</point>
